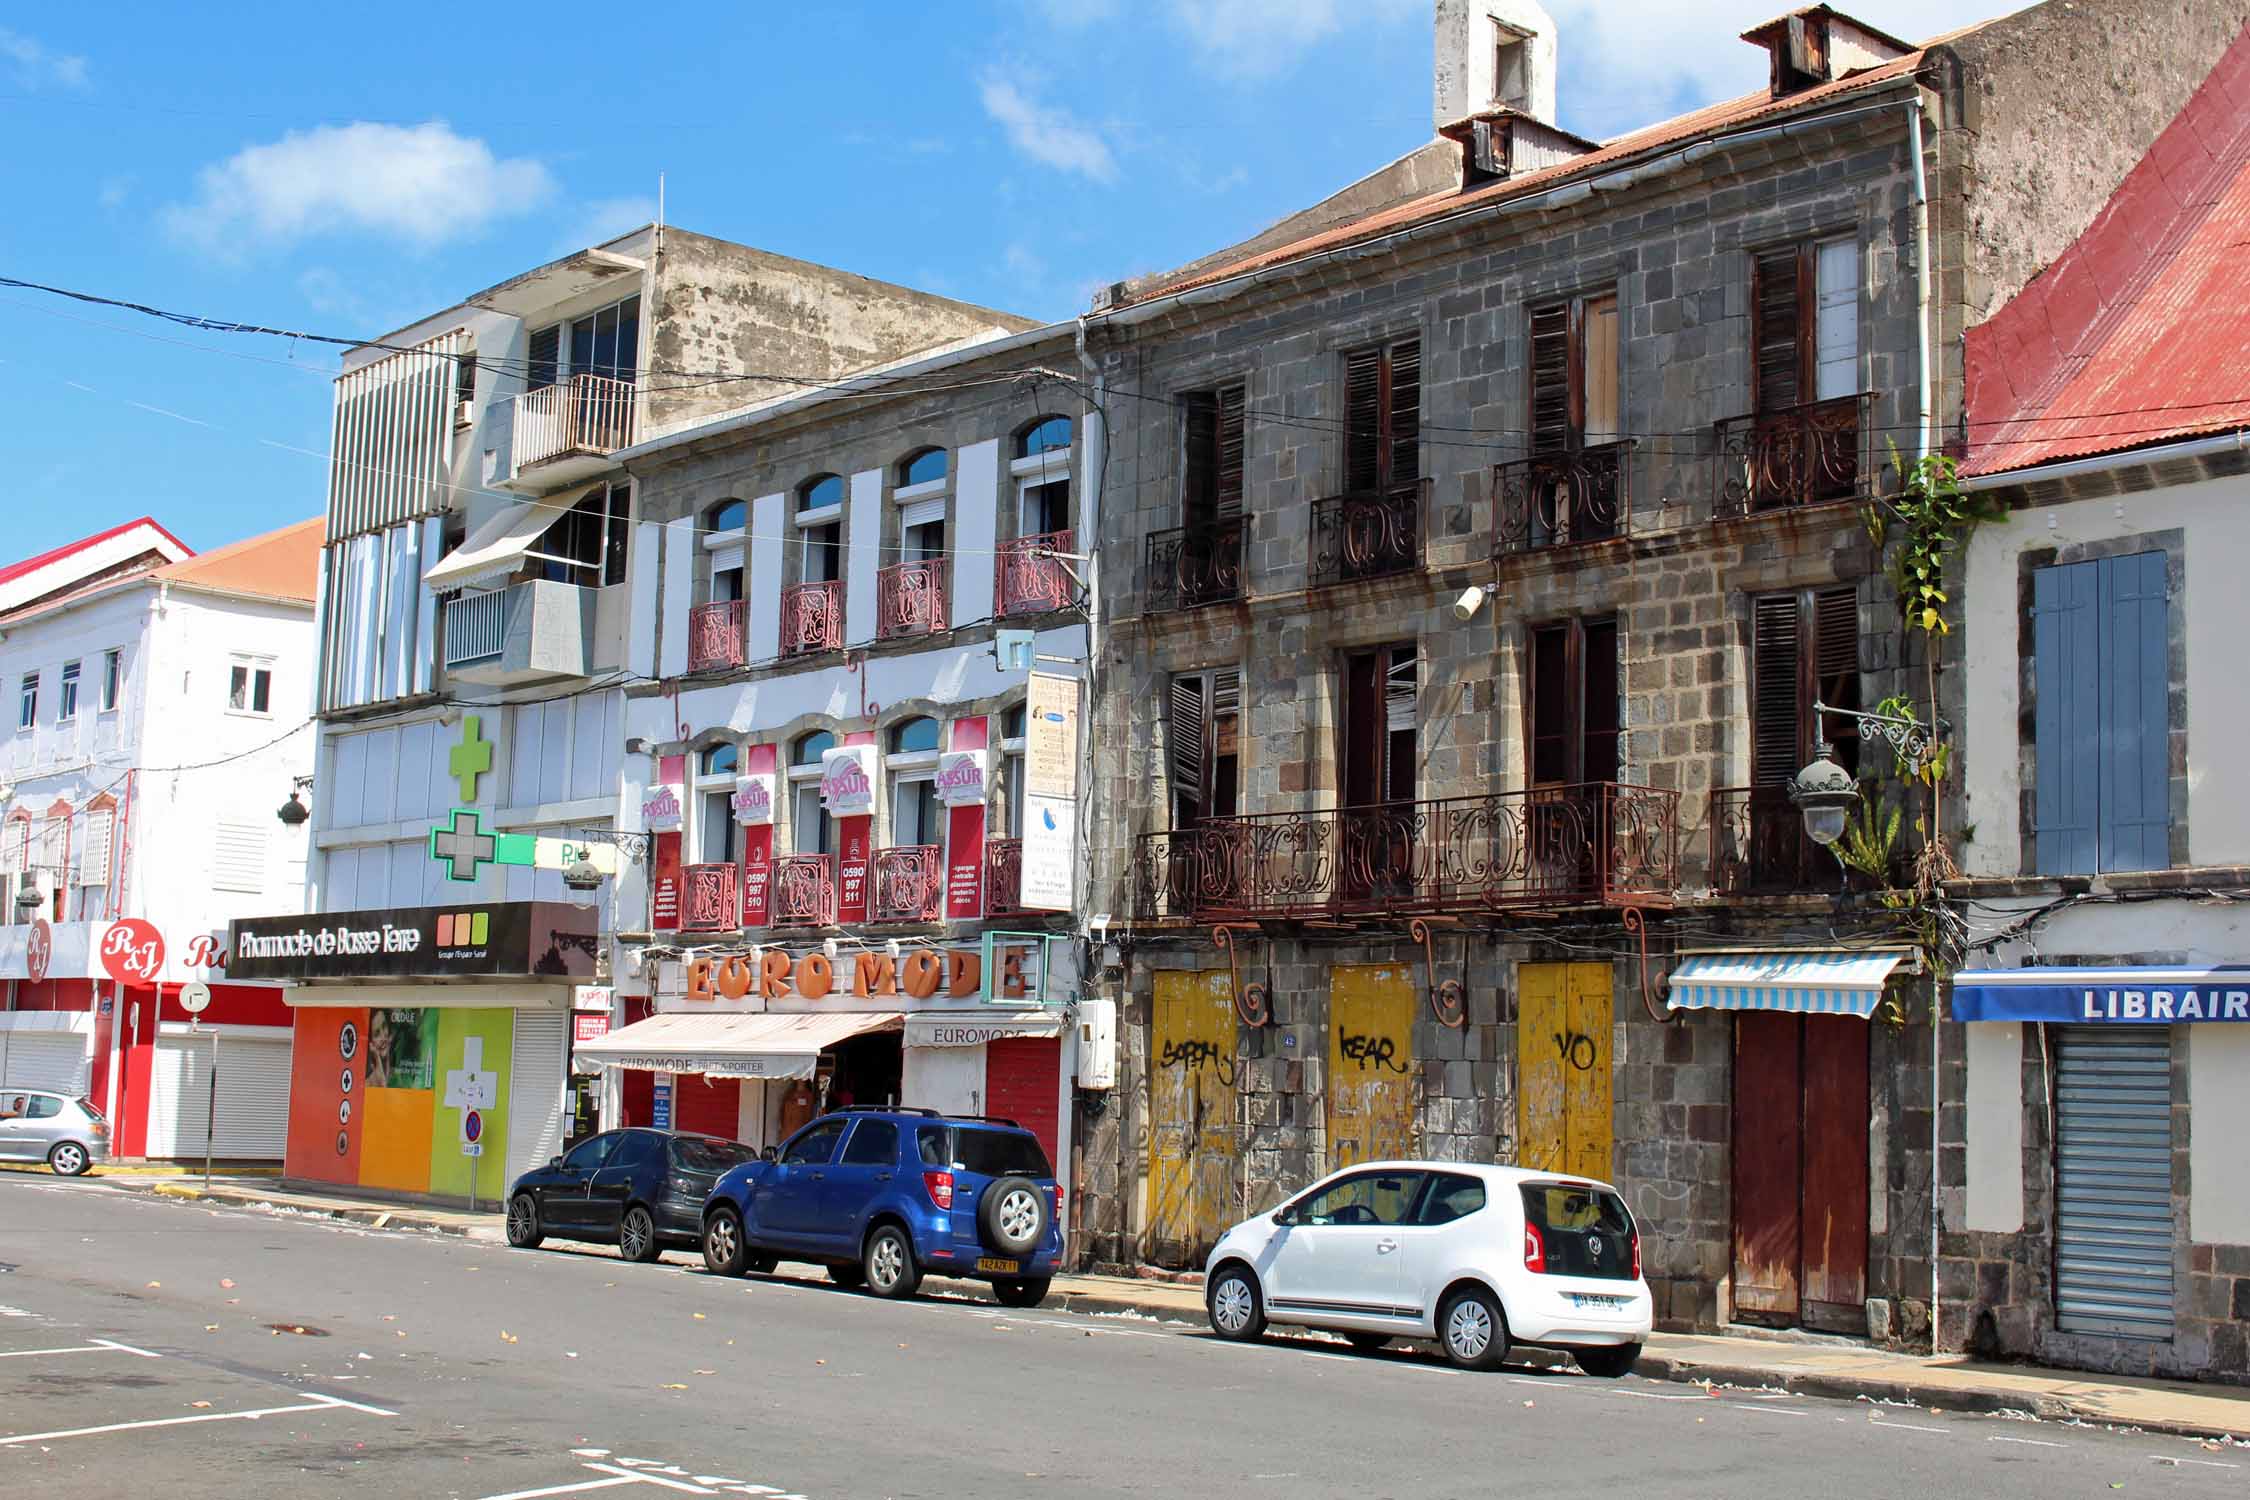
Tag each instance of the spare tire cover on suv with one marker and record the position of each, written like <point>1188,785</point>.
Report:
<point>1012,1216</point>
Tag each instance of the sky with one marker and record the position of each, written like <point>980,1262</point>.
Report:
<point>337,170</point>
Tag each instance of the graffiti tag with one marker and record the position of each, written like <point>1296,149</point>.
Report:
<point>1577,1049</point>
<point>1191,1055</point>
<point>1372,1051</point>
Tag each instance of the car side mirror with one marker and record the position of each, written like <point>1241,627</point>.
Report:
<point>1285,1216</point>
<point>770,1153</point>
<point>554,1163</point>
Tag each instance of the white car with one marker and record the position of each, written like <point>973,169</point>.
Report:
<point>1478,1258</point>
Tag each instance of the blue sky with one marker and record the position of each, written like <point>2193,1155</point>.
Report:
<point>344,171</point>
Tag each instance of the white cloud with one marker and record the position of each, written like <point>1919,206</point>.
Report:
<point>605,219</point>
<point>1047,133</point>
<point>421,184</point>
<point>35,65</point>
<point>1258,37</point>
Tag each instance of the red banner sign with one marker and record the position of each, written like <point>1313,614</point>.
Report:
<point>38,950</point>
<point>590,1027</point>
<point>852,836</point>
<point>757,874</point>
<point>664,891</point>
<point>132,952</point>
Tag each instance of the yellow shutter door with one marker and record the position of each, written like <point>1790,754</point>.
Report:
<point>1563,1089</point>
<point>1193,1136</point>
<point>1370,1063</point>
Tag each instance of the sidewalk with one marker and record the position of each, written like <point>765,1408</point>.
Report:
<point>1839,1370</point>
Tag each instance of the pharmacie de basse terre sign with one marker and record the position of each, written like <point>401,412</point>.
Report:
<point>517,939</point>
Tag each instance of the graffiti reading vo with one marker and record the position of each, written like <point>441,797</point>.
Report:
<point>1577,1049</point>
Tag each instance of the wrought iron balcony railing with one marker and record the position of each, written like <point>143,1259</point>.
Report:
<point>1003,878</point>
<point>715,635</point>
<point>1191,566</point>
<point>1798,455</point>
<point>1588,844</point>
<point>812,617</point>
<point>708,899</point>
<point>1368,535</point>
<point>1562,499</point>
<point>804,890</point>
<point>909,884</point>
<point>910,599</point>
<point>1030,584</point>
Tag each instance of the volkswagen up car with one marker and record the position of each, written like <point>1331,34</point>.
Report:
<point>1478,1258</point>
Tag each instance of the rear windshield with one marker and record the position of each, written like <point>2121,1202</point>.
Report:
<point>999,1153</point>
<point>1586,1230</point>
<point>92,1109</point>
<point>710,1155</point>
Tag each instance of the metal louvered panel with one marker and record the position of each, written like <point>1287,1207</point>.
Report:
<point>2114,1232</point>
<point>535,1091</point>
<point>1405,431</point>
<point>393,446</point>
<point>1776,665</point>
<point>56,1060</point>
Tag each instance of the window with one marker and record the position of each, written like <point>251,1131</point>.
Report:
<point>27,713</point>
<point>1451,1196</point>
<point>1511,65</point>
<point>1573,704</point>
<point>720,525</point>
<point>66,697</point>
<point>1383,417</point>
<point>113,679</point>
<point>1216,430</point>
<point>874,1143</point>
<point>1202,731</point>
<point>586,544</point>
<point>924,467</point>
<point>1047,435</point>
<point>727,515</point>
<point>238,856</point>
<point>1576,1230</point>
<point>815,1144</point>
<point>1370,1198</point>
<point>916,817</point>
<point>1011,771</point>
<point>250,685</point>
<point>913,735</point>
<point>820,528</point>
<point>1574,389</point>
<point>717,838</point>
<point>1042,469</point>
<point>935,1144</point>
<point>94,850</point>
<point>604,343</point>
<point>464,388</point>
<point>809,821</point>
<point>701,1154</point>
<point>592,1154</point>
<point>999,1153</point>
<point>635,1148</point>
<point>1804,648</point>
<point>2101,675</point>
<point>1380,714</point>
<point>1805,324</point>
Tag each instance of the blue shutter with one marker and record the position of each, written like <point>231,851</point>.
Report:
<point>2066,719</point>
<point>2135,715</point>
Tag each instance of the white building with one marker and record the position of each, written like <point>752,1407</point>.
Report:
<point>157,718</point>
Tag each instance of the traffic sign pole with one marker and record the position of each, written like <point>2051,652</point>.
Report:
<point>193,997</point>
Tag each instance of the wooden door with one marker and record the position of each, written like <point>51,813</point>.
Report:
<point>1833,1194</point>
<point>1194,1135</point>
<point>1564,1087</point>
<point>1800,1170</point>
<point>1370,1063</point>
<point>1768,1140</point>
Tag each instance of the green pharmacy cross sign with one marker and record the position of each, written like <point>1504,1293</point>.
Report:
<point>466,848</point>
<point>471,758</point>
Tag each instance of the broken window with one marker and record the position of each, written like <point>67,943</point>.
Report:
<point>1383,417</point>
<point>1202,731</point>
<point>1574,389</point>
<point>1381,693</point>
<point>1573,702</point>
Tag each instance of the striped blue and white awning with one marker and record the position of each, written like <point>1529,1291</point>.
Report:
<point>1832,982</point>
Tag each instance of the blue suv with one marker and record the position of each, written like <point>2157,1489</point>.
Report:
<point>883,1197</point>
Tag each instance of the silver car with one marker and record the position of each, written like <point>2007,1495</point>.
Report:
<point>67,1134</point>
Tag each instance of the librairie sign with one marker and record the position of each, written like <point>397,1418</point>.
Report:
<point>2103,997</point>
<point>520,939</point>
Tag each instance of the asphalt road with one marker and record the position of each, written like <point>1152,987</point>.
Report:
<point>139,1354</point>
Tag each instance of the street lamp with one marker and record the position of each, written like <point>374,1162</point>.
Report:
<point>1825,792</point>
<point>580,874</point>
<point>293,813</point>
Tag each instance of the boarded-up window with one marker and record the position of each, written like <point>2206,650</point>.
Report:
<point>1202,733</point>
<point>1804,649</point>
<point>1574,378</point>
<point>1216,429</point>
<point>1380,719</point>
<point>1572,702</point>
<point>1383,417</point>
<point>2102,721</point>
<point>238,857</point>
<point>1805,324</point>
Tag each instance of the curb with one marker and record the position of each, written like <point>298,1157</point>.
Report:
<point>373,1218</point>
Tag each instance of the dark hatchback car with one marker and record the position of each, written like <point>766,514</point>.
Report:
<point>640,1190</point>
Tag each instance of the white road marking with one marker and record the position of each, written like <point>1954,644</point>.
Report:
<point>1906,1426</point>
<point>578,1488</point>
<point>1768,1411</point>
<point>15,1312</point>
<point>1655,1396</point>
<point>642,1476</point>
<point>2027,1442</point>
<point>128,1349</point>
<point>98,1346</point>
<point>2201,1463</point>
<point>318,1403</point>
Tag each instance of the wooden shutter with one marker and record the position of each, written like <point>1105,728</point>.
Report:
<point>1405,437</point>
<point>2067,721</point>
<point>1776,689</point>
<point>546,355</point>
<point>1187,726</point>
<point>1550,379</point>
<point>1363,420</point>
<point>1777,330</point>
<point>1231,431</point>
<point>2136,819</point>
<point>1200,461</point>
<point>1547,704</point>
<point>1598,706</point>
<point>1834,654</point>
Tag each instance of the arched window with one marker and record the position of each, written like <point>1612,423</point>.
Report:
<point>808,820</point>
<point>727,561</point>
<point>820,490</point>
<point>727,515</point>
<point>823,532</point>
<point>810,747</point>
<point>914,735</point>
<point>1043,436</point>
<point>922,467</point>
<point>716,837</point>
<point>721,760</point>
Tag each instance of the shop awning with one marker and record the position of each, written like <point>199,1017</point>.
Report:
<point>970,1028</point>
<point>499,546</point>
<point>2103,997</point>
<point>730,1046</point>
<point>1830,982</point>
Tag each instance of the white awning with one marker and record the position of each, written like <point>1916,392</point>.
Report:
<point>497,548</point>
<point>1833,982</point>
<point>973,1028</point>
<point>730,1046</point>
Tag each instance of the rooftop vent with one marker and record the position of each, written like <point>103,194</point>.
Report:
<point>1817,45</point>
<point>1501,143</point>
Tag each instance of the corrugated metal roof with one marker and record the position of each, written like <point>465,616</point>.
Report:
<point>2135,334</point>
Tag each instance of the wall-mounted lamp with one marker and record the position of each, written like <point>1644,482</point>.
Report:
<point>1472,599</point>
<point>293,813</point>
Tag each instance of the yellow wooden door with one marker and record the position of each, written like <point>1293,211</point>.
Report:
<point>1194,1134</point>
<point>1370,1063</point>
<point>1563,1076</point>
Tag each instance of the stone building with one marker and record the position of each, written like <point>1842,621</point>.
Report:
<point>1476,547</point>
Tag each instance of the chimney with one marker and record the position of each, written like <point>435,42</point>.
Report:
<point>1493,54</point>
<point>1817,45</point>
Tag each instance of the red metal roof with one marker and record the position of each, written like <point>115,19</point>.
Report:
<point>57,554</point>
<point>2135,334</point>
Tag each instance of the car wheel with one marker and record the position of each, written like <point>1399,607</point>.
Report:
<point>848,1274</point>
<point>1237,1308</point>
<point>636,1236</point>
<point>69,1159</point>
<point>1608,1361</point>
<point>1473,1330</point>
<point>1021,1291</point>
<point>888,1263</point>
<point>523,1223</point>
<point>1013,1216</point>
<point>723,1250</point>
<point>1367,1343</point>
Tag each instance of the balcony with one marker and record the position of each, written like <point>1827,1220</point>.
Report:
<point>1591,844</point>
<point>1192,566</point>
<point>567,431</point>
<point>812,617</point>
<point>909,600</point>
<point>1368,535</point>
<point>715,636</point>
<point>1003,879</point>
<point>1031,584</point>
<point>527,632</point>
<point>909,884</point>
<point>804,891</point>
<point>1797,456</point>
<point>1563,499</point>
<point>708,899</point>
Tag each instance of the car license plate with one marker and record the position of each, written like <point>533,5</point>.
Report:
<point>1594,1299</point>
<point>994,1263</point>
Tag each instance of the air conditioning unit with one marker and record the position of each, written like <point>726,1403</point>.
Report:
<point>464,412</point>
<point>1097,1044</point>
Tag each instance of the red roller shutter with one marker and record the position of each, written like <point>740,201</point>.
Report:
<point>706,1106</point>
<point>1022,1080</point>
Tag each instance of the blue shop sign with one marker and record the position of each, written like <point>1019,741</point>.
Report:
<point>2103,997</point>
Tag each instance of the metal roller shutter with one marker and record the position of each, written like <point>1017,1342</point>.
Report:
<point>55,1060</point>
<point>2114,1237</point>
<point>253,1097</point>
<point>1023,1082</point>
<point>535,1089</point>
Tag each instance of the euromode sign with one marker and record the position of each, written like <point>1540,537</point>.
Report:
<point>2103,997</point>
